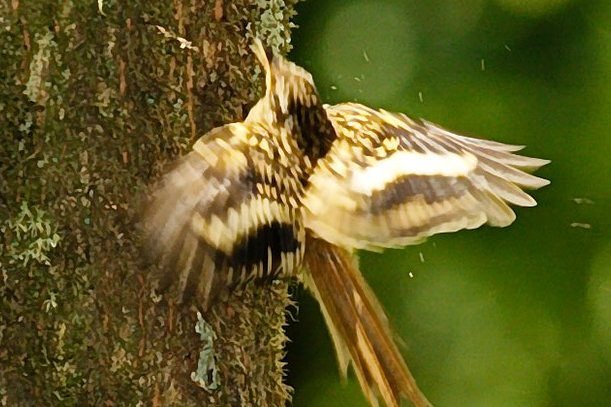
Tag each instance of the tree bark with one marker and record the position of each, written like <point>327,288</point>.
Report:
<point>95,97</point>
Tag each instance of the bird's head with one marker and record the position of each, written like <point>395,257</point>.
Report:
<point>288,87</point>
<point>291,104</point>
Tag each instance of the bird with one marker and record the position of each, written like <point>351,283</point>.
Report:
<point>298,186</point>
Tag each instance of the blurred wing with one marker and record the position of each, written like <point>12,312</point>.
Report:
<point>217,221</point>
<point>389,181</point>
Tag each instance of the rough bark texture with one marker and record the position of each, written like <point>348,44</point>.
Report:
<point>95,97</point>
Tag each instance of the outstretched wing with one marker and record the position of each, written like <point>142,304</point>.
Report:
<point>225,215</point>
<point>389,181</point>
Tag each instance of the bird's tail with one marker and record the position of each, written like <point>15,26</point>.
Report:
<point>358,326</point>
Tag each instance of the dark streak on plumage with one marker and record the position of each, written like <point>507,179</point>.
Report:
<point>410,187</point>
<point>315,130</point>
<point>236,190</point>
<point>252,249</point>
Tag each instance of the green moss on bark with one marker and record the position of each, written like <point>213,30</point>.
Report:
<point>93,103</point>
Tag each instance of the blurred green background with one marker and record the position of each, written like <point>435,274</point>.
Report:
<point>493,317</point>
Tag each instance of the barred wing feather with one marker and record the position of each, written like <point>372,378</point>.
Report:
<point>223,216</point>
<point>390,181</point>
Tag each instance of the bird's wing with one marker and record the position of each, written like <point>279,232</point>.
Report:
<point>223,216</point>
<point>390,181</point>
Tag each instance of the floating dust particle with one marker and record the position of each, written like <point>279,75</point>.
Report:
<point>581,201</point>
<point>581,225</point>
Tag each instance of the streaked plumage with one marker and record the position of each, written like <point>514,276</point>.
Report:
<point>298,185</point>
<point>399,180</point>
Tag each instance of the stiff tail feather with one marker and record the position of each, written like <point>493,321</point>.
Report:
<point>358,326</point>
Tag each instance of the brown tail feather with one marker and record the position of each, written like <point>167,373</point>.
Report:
<point>358,326</point>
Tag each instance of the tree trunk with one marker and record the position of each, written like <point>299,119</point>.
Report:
<point>95,97</point>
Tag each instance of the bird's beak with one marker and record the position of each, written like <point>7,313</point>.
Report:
<point>259,50</point>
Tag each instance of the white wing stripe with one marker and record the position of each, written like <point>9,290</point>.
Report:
<point>376,177</point>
